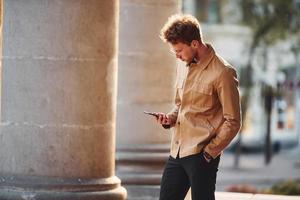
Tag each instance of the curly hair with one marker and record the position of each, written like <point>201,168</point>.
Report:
<point>181,28</point>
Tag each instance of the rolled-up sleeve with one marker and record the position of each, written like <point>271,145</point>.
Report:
<point>228,93</point>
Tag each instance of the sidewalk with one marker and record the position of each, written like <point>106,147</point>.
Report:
<point>152,193</point>
<point>252,170</point>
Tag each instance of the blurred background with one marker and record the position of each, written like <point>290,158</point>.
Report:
<point>77,75</point>
<point>261,39</point>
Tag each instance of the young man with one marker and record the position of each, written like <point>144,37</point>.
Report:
<point>206,116</point>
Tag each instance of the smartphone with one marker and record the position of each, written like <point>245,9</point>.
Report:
<point>151,113</point>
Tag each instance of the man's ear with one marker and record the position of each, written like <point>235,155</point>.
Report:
<point>195,44</point>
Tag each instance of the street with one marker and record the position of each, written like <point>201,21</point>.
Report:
<point>253,172</point>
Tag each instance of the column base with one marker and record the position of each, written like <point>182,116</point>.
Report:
<point>141,165</point>
<point>36,188</point>
<point>14,194</point>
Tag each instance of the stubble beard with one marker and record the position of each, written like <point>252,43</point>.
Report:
<point>193,59</point>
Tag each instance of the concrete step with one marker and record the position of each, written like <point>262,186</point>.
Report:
<point>136,192</point>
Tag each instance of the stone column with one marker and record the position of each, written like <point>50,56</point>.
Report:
<point>1,27</point>
<point>146,79</point>
<point>59,100</point>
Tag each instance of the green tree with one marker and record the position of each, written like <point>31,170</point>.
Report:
<point>270,22</point>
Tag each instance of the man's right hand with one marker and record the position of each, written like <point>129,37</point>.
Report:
<point>163,119</point>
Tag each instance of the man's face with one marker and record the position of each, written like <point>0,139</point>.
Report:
<point>183,51</point>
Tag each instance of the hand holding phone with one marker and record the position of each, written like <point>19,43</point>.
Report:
<point>152,113</point>
<point>161,118</point>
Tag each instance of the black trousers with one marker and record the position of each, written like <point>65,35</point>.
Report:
<point>191,171</point>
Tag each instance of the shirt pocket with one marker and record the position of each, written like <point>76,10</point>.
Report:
<point>202,95</point>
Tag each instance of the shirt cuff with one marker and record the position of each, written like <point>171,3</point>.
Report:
<point>166,126</point>
<point>213,155</point>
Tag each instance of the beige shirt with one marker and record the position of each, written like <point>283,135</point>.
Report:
<point>207,107</point>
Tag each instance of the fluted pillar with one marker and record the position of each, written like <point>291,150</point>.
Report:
<point>1,27</point>
<point>58,100</point>
<point>146,77</point>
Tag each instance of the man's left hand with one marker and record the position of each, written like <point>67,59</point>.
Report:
<point>207,157</point>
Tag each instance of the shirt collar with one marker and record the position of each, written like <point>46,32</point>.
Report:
<point>205,60</point>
